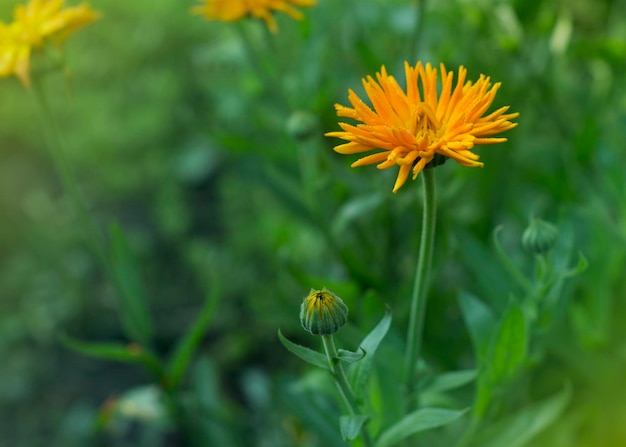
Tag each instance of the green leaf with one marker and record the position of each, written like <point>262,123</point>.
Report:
<point>416,422</point>
<point>188,343</point>
<point>358,373</point>
<point>507,352</point>
<point>304,353</point>
<point>113,351</point>
<point>510,266</point>
<point>451,380</point>
<point>516,430</point>
<point>353,209</point>
<point>509,346</point>
<point>480,323</point>
<point>349,356</point>
<point>135,315</point>
<point>578,269</point>
<point>351,426</point>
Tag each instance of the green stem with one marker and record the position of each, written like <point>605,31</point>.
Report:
<point>418,298</point>
<point>343,386</point>
<point>57,152</point>
<point>267,75</point>
<point>414,42</point>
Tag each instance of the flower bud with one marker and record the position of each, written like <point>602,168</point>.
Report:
<point>322,312</point>
<point>301,125</point>
<point>539,237</point>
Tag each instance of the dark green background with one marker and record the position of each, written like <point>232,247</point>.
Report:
<point>173,131</point>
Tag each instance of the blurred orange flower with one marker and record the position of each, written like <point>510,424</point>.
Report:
<point>411,128</point>
<point>34,24</point>
<point>231,10</point>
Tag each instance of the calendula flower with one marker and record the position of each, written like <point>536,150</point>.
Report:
<point>409,129</point>
<point>232,10</point>
<point>34,25</point>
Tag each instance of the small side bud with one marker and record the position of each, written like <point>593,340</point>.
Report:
<point>322,312</point>
<point>539,237</point>
<point>301,125</point>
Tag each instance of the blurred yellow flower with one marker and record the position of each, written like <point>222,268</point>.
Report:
<point>231,10</point>
<point>411,128</point>
<point>34,24</point>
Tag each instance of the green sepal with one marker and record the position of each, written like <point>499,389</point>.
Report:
<point>304,353</point>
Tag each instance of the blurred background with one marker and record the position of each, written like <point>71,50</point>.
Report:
<point>204,142</point>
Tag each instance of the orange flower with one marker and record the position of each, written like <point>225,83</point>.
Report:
<point>231,10</point>
<point>412,128</point>
<point>35,24</point>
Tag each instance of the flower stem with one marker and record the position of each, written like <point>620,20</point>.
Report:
<point>267,74</point>
<point>415,41</point>
<point>343,386</point>
<point>57,153</point>
<point>419,298</point>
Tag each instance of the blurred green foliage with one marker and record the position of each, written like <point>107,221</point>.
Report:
<point>182,132</point>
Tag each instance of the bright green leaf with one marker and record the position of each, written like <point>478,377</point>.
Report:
<point>509,346</point>
<point>187,345</point>
<point>351,425</point>
<point>304,353</point>
<point>353,209</point>
<point>126,353</point>
<point>579,268</point>
<point>416,422</point>
<point>516,430</point>
<point>349,356</point>
<point>451,380</point>
<point>507,352</point>
<point>358,373</point>
<point>135,314</point>
<point>480,323</point>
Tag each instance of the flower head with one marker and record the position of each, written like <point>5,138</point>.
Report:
<point>322,312</point>
<point>410,128</point>
<point>540,236</point>
<point>34,24</point>
<point>231,10</point>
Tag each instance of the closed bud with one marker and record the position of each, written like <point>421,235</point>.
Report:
<point>539,237</point>
<point>301,125</point>
<point>322,312</point>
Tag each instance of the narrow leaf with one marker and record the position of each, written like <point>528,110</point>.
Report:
<point>507,353</point>
<point>187,345</point>
<point>351,426</point>
<point>509,347</point>
<point>358,373</point>
<point>579,268</point>
<point>353,209</point>
<point>349,356</point>
<point>516,430</point>
<point>416,422</point>
<point>451,380</point>
<point>125,353</point>
<point>304,353</point>
<point>135,315</point>
<point>480,323</point>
